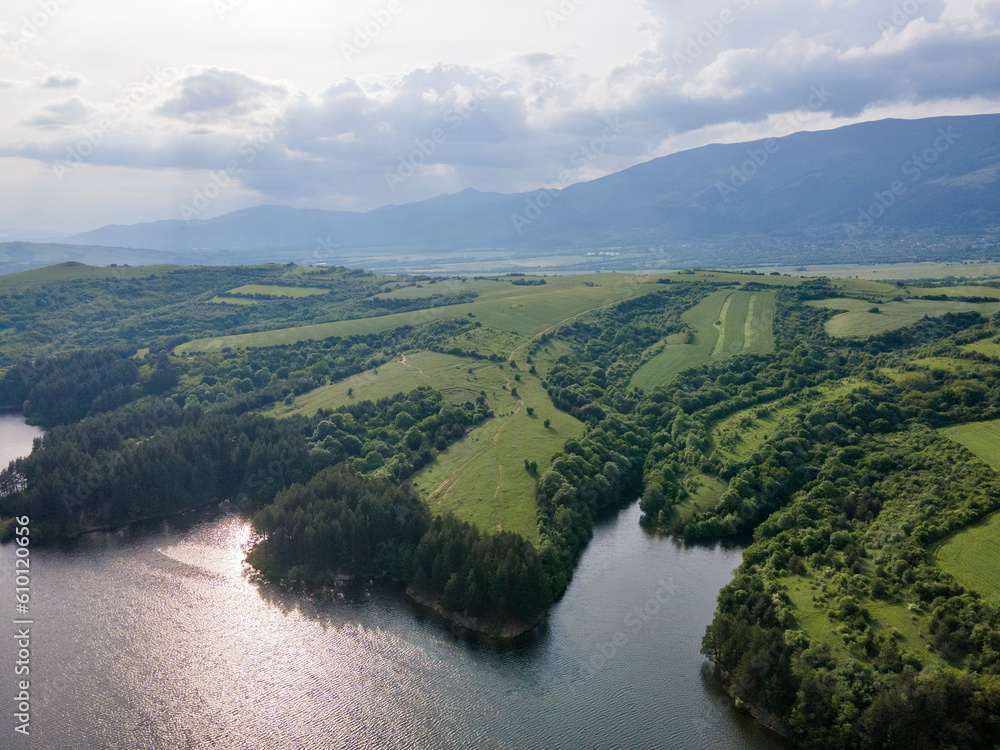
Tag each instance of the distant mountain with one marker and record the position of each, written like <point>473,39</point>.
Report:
<point>884,181</point>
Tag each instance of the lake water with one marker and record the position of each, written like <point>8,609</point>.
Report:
<point>15,437</point>
<point>157,638</point>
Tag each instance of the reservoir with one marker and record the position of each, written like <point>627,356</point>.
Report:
<point>158,638</point>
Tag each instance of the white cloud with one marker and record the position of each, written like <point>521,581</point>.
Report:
<point>513,97</point>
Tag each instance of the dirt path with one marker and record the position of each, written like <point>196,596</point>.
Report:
<point>403,362</point>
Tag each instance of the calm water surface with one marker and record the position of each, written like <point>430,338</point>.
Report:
<point>157,638</point>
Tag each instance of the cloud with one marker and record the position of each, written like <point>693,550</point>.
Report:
<point>61,81</point>
<point>59,114</point>
<point>710,70</point>
<point>216,96</point>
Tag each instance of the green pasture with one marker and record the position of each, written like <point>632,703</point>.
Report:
<point>741,434</point>
<point>989,347</point>
<point>704,492</point>
<point>518,309</point>
<point>908,625</point>
<point>970,290</point>
<point>443,372</point>
<point>482,478</point>
<point>973,557</point>
<point>725,323</point>
<point>981,438</point>
<point>857,320</point>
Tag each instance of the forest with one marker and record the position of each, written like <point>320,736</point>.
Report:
<point>728,403</point>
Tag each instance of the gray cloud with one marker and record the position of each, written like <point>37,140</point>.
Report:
<point>215,95</point>
<point>713,65</point>
<point>61,81</point>
<point>59,114</point>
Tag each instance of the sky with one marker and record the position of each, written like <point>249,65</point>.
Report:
<point>117,111</point>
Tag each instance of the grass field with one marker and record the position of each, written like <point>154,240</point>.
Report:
<point>726,323</point>
<point>981,438</point>
<point>971,290</point>
<point>526,310</point>
<point>989,347</point>
<point>444,372</point>
<point>278,291</point>
<point>973,557</point>
<point>858,321</point>
<point>927,270</point>
<point>482,478</point>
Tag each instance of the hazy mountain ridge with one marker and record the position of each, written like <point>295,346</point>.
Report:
<point>873,183</point>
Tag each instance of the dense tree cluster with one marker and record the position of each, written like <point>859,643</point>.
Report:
<point>495,578</point>
<point>339,524</point>
<point>60,390</point>
<point>141,462</point>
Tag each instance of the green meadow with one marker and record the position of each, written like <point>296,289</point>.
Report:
<point>517,309</point>
<point>859,320</point>
<point>725,323</point>
<point>973,555</point>
<point>459,379</point>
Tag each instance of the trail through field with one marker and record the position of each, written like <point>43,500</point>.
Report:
<point>503,423</point>
<point>404,363</point>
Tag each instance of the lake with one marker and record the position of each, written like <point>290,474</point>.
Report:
<point>158,638</point>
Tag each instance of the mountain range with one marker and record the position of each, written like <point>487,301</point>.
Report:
<point>882,187</point>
